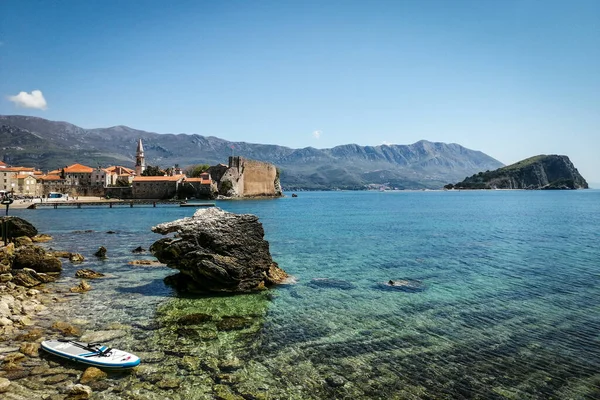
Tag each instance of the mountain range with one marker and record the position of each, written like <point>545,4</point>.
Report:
<point>45,144</point>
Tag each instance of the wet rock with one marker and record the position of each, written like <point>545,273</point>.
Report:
<point>14,357</point>
<point>335,381</point>
<point>30,349</point>
<point>22,241</point>
<point>18,227</point>
<point>41,238</point>
<point>78,392</point>
<point>53,379</point>
<point>218,251</point>
<point>169,383</point>
<point>102,336</point>
<point>76,258</point>
<point>234,323</point>
<point>223,392</point>
<point>151,357</point>
<point>4,385</point>
<point>29,278</point>
<point>88,274</point>
<point>16,374</point>
<point>101,252</point>
<point>4,350</point>
<point>82,287</point>
<point>60,253</point>
<point>35,258</point>
<point>111,232</point>
<point>194,319</point>
<point>138,250</point>
<point>230,365</point>
<point>31,335</point>
<point>66,328</point>
<point>92,374</point>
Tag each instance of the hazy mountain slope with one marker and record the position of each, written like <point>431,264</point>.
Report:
<point>51,144</point>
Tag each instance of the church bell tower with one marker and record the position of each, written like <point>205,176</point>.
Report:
<point>140,163</point>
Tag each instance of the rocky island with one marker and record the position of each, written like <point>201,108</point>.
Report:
<point>539,172</point>
<point>217,251</point>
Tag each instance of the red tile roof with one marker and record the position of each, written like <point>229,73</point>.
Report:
<point>50,178</point>
<point>78,169</point>
<point>23,176</point>
<point>174,178</point>
<point>201,180</point>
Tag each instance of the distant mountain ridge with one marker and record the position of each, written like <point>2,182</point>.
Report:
<point>48,144</point>
<point>538,172</point>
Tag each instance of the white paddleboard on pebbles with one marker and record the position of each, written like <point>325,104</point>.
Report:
<point>91,353</point>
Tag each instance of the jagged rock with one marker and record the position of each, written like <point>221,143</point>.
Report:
<point>30,349</point>
<point>92,374</point>
<point>82,287</point>
<point>5,278</point>
<point>18,227</point>
<point>138,249</point>
<point>78,392</point>
<point>22,241</point>
<point>36,258</point>
<point>101,252</point>
<point>88,274</point>
<point>30,278</point>
<point>219,251</point>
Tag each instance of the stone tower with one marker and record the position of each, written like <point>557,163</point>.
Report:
<point>140,163</point>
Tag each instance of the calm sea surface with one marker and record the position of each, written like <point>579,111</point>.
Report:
<point>509,306</point>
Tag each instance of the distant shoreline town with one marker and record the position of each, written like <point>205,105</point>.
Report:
<point>144,182</point>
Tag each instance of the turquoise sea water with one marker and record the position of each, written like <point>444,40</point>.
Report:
<point>510,306</point>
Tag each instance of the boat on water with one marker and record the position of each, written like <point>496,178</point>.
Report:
<point>91,353</point>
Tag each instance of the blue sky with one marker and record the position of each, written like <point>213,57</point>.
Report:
<point>510,78</point>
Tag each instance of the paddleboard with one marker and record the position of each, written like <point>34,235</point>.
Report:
<point>91,353</point>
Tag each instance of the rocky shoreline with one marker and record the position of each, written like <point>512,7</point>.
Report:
<point>194,348</point>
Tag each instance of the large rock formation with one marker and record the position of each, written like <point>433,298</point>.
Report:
<point>539,172</point>
<point>18,227</point>
<point>218,251</point>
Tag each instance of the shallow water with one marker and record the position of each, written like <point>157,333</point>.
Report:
<point>510,306</point>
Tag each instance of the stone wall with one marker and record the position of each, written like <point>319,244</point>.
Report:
<point>249,178</point>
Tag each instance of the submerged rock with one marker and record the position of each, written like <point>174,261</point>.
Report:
<point>82,287</point>
<point>218,251</point>
<point>403,285</point>
<point>88,274</point>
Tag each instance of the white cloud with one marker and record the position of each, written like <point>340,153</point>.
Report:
<point>35,99</point>
<point>317,134</point>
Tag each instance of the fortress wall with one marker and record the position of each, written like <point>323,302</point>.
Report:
<point>259,178</point>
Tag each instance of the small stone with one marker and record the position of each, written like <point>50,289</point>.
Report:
<point>169,383</point>
<point>76,258</point>
<point>138,249</point>
<point>4,384</point>
<point>335,381</point>
<point>82,287</point>
<point>230,365</point>
<point>66,328</point>
<point>93,374</point>
<point>14,357</point>
<point>30,349</point>
<point>31,335</point>
<point>5,278</point>
<point>41,238</point>
<point>77,392</point>
<point>56,378</point>
<point>88,274</point>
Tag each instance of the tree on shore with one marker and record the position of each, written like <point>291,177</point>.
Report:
<point>152,170</point>
<point>194,171</point>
